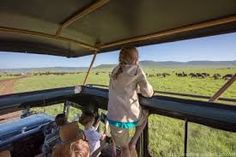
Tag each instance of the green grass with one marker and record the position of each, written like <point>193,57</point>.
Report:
<point>165,134</point>
<point>207,86</point>
<point>4,77</point>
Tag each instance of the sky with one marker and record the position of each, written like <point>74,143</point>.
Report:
<point>214,48</point>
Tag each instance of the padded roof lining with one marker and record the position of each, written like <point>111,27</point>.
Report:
<point>116,20</point>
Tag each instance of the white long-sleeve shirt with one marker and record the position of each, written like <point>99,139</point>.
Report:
<point>123,104</point>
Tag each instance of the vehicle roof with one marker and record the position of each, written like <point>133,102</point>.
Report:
<point>77,28</point>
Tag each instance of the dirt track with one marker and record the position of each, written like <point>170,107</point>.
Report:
<point>7,87</point>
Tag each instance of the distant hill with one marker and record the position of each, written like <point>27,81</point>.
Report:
<point>150,63</point>
<point>105,66</point>
<point>146,63</point>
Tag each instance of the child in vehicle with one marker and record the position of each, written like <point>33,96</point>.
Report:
<point>93,137</point>
<point>52,138</point>
<point>124,111</point>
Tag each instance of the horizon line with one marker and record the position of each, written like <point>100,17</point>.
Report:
<point>117,63</point>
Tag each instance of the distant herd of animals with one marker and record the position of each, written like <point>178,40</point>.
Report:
<point>178,74</point>
<point>38,74</point>
<point>193,75</point>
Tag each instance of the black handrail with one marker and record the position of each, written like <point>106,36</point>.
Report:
<point>175,94</point>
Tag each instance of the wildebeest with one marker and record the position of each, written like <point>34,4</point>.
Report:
<point>151,75</point>
<point>14,74</point>
<point>162,74</point>
<point>216,76</point>
<point>200,75</point>
<point>183,74</point>
<point>206,74</point>
<point>192,75</point>
<point>165,74</point>
<point>227,76</point>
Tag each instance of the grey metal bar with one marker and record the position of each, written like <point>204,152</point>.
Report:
<point>90,67</point>
<point>139,146</point>
<point>146,141</point>
<point>186,138</point>
<point>66,109</point>
<point>223,89</point>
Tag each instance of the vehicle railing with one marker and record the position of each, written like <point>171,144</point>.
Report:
<point>5,144</point>
<point>198,111</point>
<point>232,100</point>
<point>216,115</point>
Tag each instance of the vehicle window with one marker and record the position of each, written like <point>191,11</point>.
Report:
<point>166,136</point>
<point>22,72</point>
<point>52,110</point>
<point>206,141</point>
<point>74,114</point>
<point>102,68</point>
<point>196,67</point>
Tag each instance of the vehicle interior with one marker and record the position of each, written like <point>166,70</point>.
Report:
<point>81,28</point>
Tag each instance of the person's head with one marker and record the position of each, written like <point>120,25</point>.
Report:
<point>70,132</point>
<point>128,56</point>
<point>87,119</point>
<point>60,119</point>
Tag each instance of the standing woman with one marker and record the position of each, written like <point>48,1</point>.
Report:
<point>124,112</point>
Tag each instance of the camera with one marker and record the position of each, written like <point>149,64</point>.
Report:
<point>103,117</point>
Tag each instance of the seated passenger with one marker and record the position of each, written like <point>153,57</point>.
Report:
<point>73,142</point>
<point>53,137</point>
<point>94,138</point>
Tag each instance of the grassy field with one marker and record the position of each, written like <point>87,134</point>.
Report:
<point>166,134</point>
<point>4,77</point>
<point>206,86</point>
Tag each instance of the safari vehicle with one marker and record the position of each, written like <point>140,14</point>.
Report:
<point>78,28</point>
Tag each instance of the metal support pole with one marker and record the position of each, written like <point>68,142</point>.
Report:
<point>142,144</point>
<point>66,109</point>
<point>223,89</point>
<point>90,67</point>
<point>139,146</point>
<point>185,138</point>
<point>146,141</point>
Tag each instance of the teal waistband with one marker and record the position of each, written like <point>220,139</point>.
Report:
<point>124,125</point>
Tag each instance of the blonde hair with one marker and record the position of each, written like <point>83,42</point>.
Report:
<point>127,57</point>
